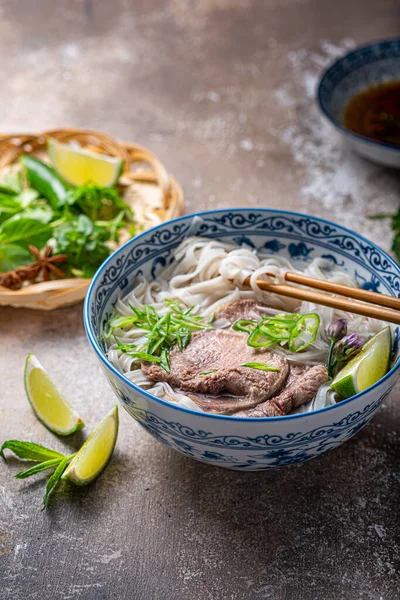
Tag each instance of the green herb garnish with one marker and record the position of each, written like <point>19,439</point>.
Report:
<point>47,459</point>
<point>37,208</point>
<point>98,203</point>
<point>161,331</point>
<point>395,218</point>
<point>208,372</point>
<point>261,366</point>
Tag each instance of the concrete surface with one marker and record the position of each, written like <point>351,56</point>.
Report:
<point>223,91</point>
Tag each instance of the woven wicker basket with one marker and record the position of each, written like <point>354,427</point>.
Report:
<point>152,193</point>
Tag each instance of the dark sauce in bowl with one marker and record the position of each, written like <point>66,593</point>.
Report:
<point>375,113</point>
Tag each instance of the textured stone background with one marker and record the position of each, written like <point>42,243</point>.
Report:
<point>223,91</point>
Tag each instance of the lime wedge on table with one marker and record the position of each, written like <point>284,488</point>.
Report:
<point>95,453</point>
<point>50,407</point>
<point>367,367</point>
<point>78,166</point>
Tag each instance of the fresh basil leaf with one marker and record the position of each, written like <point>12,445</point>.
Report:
<point>9,206</point>
<point>11,183</point>
<point>42,213</point>
<point>27,196</point>
<point>55,478</point>
<point>24,232</point>
<point>13,256</point>
<point>29,451</point>
<point>7,191</point>
<point>48,464</point>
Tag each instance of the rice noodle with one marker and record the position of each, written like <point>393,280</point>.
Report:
<point>210,273</point>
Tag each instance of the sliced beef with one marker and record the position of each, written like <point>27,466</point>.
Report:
<point>241,309</point>
<point>301,387</point>
<point>222,353</point>
<point>223,405</point>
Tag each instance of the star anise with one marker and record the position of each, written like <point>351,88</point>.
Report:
<point>45,262</point>
<point>14,279</point>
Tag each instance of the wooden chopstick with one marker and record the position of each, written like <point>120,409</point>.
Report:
<point>344,290</point>
<point>367,310</point>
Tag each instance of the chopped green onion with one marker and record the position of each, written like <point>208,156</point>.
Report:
<point>261,366</point>
<point>208,372</point>
<point>162,331</point>
<point>146,356</point>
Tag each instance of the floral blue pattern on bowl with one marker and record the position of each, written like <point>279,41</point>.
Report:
<point>368,65</point>
<point>232,442</point>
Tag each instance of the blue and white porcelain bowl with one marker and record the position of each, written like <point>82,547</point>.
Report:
<point>368,65</point>
<point>232,442</point>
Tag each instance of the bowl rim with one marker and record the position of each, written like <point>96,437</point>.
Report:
<point>326,74</point>
<point>103,358</point>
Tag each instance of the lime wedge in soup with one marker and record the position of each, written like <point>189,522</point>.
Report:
<point>78,166</point>
<point>367,367</point>
<point>50,407</point>
<point>95,453</point>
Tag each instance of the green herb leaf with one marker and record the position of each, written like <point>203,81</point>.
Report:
<point>7,191</point>
<point>55,478</point>
<point>208,372</point>
<point>39,212</point>
<point>261,366</point>
<point>11,183</point>
<point>396,246</point>
<point>9,206</point>
<point>29,451</point>
<point>13,256</point>
<point>25,231</point>
<point>48,464</point>
<point>99,203</point>
<point>84,242</point>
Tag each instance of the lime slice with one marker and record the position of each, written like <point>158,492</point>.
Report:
<point>50,407</point>
<point>95,453</point>
<point>367,367</point>
<point>78,166</point>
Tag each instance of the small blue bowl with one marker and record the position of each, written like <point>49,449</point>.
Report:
<point>369,65</point>
<point>228,441</point>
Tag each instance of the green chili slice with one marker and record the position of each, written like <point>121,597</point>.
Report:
<point>258,339</point>
<point>245,325</point>
<point>304,332</point>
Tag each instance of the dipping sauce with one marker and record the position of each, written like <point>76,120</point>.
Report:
<point>375,113</point>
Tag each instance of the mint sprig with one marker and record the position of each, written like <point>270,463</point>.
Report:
<point>55,478</point>
<point>29,451</point>
<point>47,459</point>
